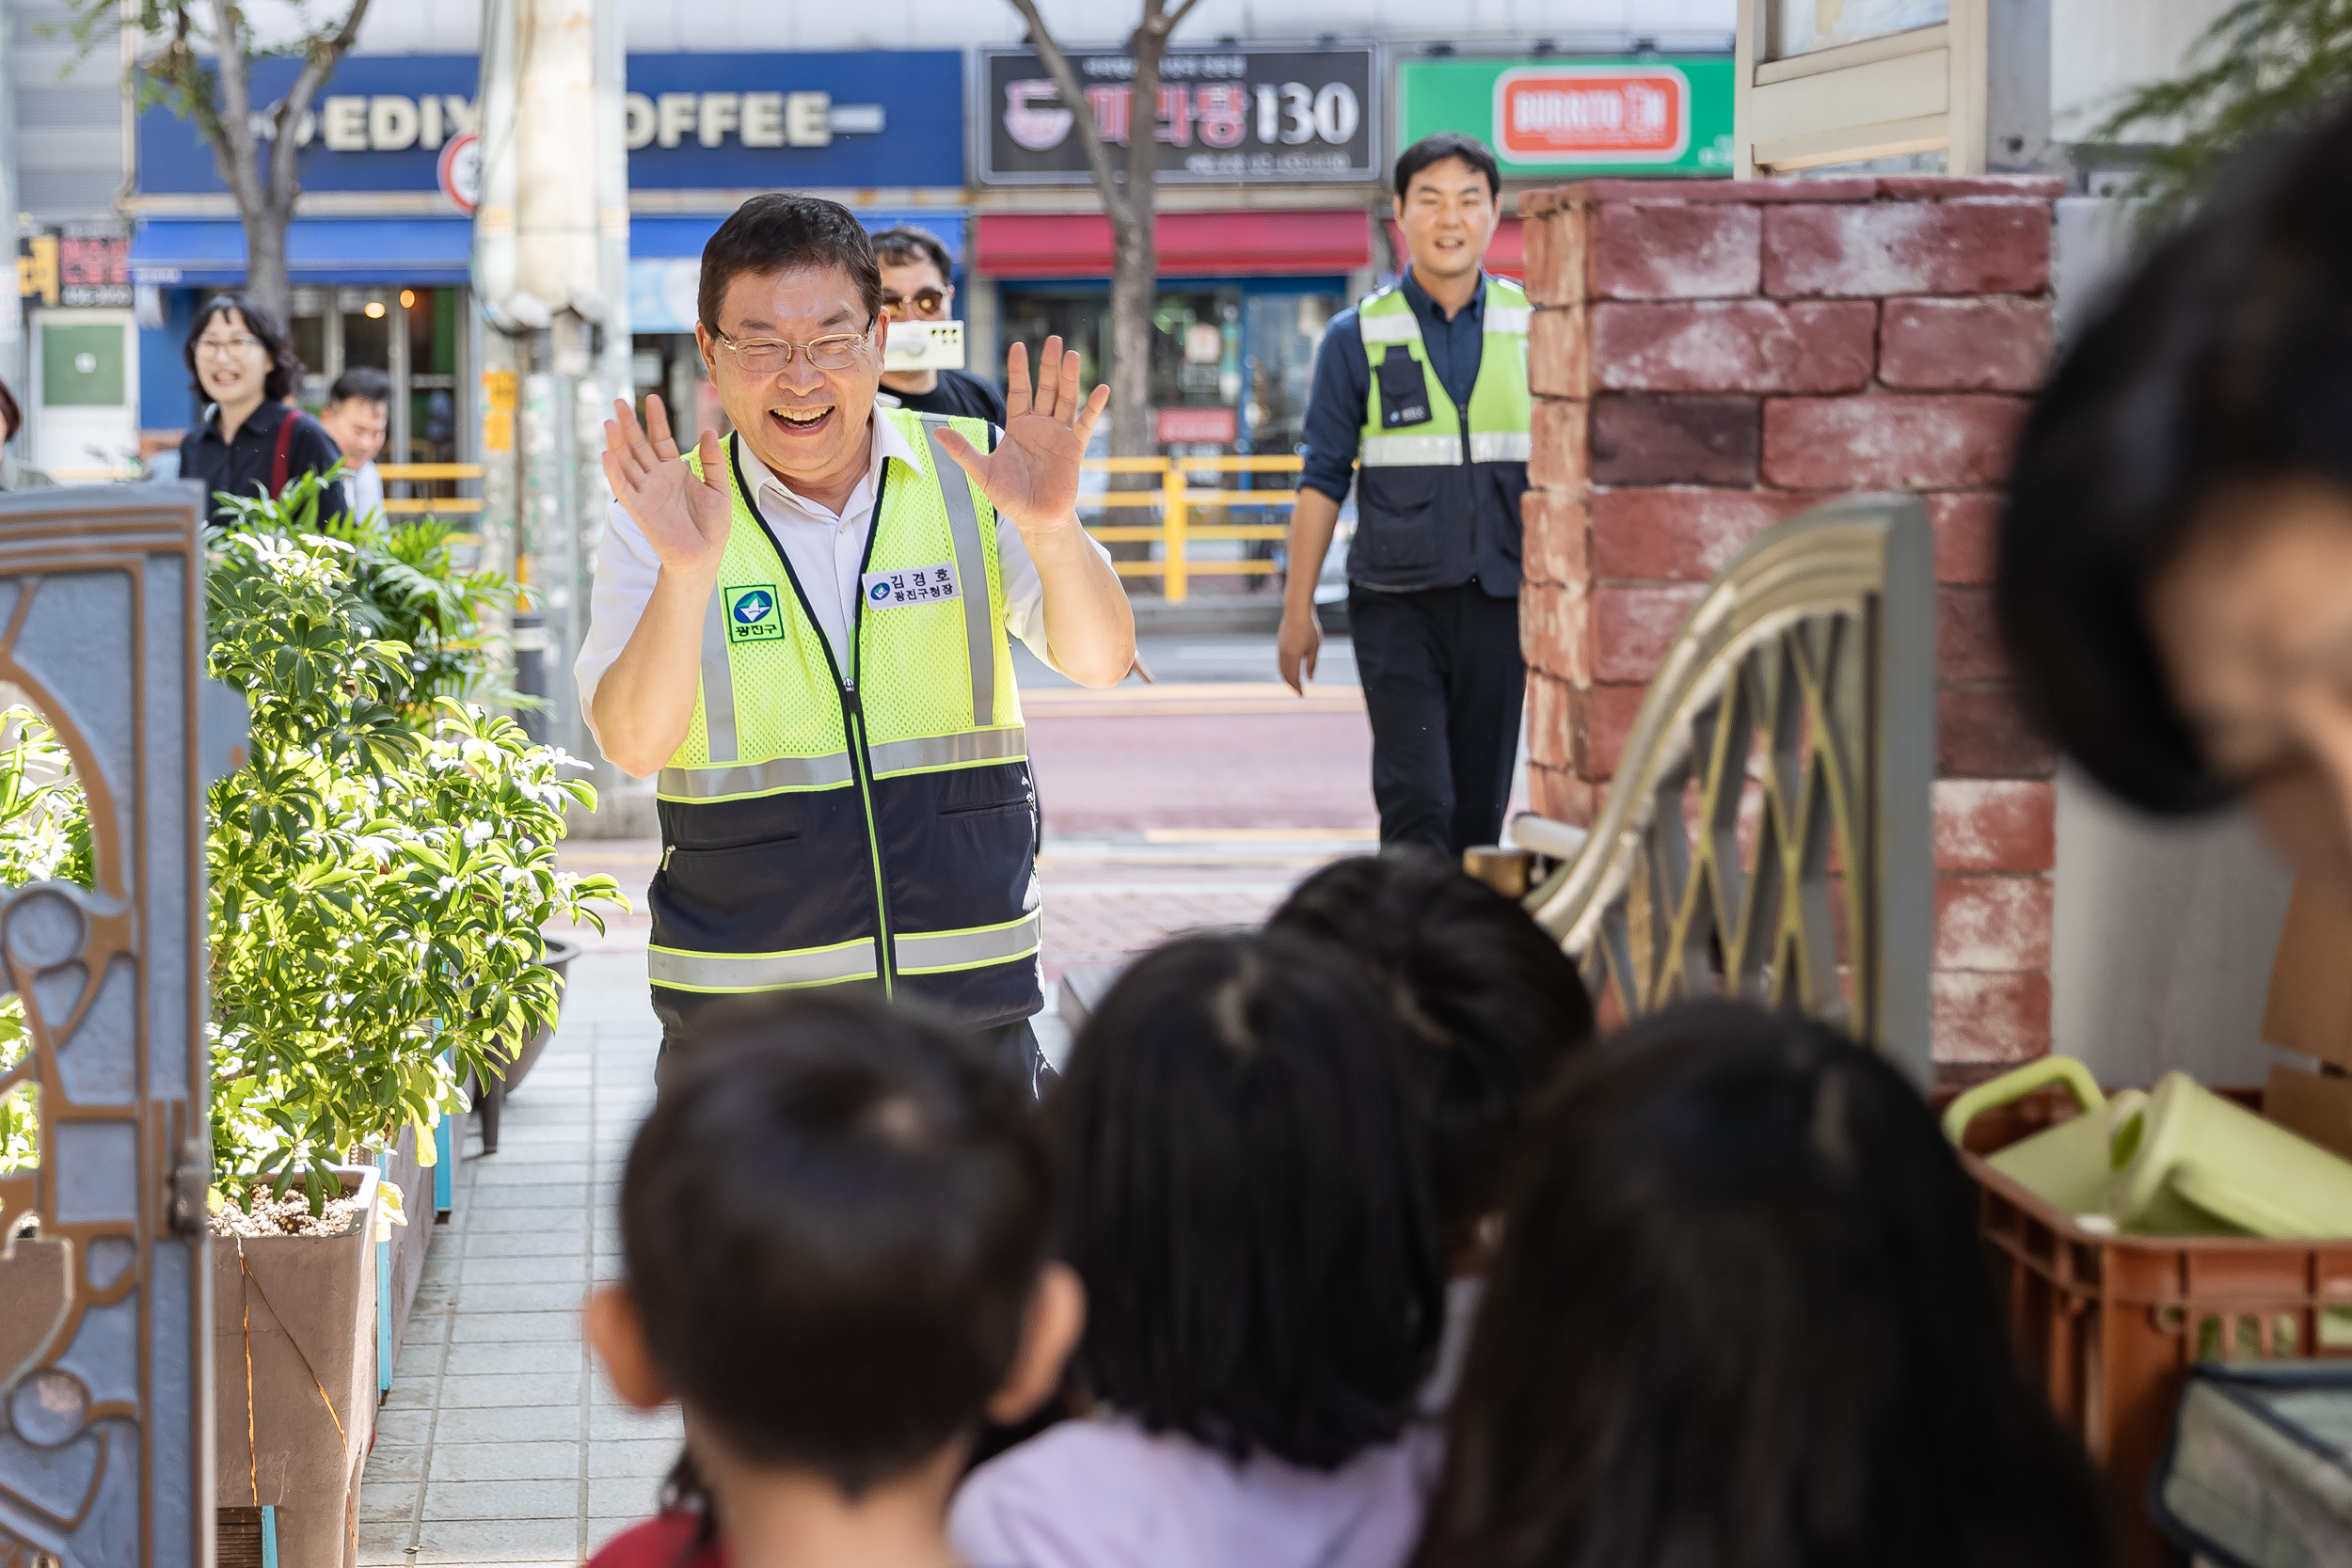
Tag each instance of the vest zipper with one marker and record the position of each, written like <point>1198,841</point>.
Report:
<point>852,713</point>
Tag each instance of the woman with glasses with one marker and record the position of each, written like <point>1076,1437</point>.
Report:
<point>251,442</point>
<point>914,271</point>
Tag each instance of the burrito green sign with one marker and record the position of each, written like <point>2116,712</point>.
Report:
<point>1556,117</point>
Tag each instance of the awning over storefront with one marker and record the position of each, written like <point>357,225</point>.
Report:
<point>210,252</point>
<point>1191,245</point>
<point>665,255</point>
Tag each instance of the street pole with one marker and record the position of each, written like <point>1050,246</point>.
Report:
<point>12,306</point>
<point>551,265</point>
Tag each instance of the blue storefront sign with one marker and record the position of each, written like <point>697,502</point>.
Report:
<point>859,119</point>
<point>721,123</point>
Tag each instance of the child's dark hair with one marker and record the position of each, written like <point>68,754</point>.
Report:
<point>1739,1319</point>
<point>2225,360</point>
<point>1490,1006</point>
<point>1245,1201</point>
<point>833,1232</point>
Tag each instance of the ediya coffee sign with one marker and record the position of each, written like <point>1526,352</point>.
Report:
<point>1583,114</point>
<point>1218,117</point>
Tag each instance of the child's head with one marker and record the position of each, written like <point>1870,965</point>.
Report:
<point>837,1237</point>
<point>1489,1003</point>
<point>1244,1198</point>
<point>2176,557</point>
<point>1739,1316</point>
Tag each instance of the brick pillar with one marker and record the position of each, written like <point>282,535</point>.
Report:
<point>1711,357</point>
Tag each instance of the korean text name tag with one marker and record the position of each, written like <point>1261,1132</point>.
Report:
<point>912,585</point>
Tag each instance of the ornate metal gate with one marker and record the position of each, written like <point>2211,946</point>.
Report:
<point>105,1396</point>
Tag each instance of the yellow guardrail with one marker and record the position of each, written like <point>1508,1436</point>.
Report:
<point>411,506</point>
<point>1177,499</point>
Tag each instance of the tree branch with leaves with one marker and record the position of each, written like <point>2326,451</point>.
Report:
<point>199,63</point>
<point>2263,68</point>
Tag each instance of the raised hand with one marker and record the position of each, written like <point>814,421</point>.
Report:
<point>1032,476</point>
<point>684,519</point>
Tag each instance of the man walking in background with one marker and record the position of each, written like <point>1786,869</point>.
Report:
<point>357,414</point>
<point>1426,382</point>
<point>914,271</point>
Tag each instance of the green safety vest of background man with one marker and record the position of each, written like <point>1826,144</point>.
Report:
<point>1424,385</point>
<point>801,631</point>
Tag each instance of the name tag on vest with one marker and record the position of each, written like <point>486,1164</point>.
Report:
<point>915,585</point>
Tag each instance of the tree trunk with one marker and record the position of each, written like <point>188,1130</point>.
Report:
<point>266,264</point>
<point>1134,296</point>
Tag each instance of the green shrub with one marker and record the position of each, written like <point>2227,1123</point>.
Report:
<point>380,869</point>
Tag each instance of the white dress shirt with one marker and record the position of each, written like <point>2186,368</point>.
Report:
<point>363,488</point>
<point>825,549</point>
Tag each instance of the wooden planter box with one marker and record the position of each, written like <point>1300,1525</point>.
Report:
<point>293,1431</point>
<point>400,1262</point>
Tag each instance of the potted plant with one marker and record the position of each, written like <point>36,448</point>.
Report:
<point>378,872</point>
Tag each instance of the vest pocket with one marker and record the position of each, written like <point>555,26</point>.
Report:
<point>985,808</point>
<point>735,881</point>
<point>1396,516</point>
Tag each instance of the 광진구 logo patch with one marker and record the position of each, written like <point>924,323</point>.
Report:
<point>752,614</point>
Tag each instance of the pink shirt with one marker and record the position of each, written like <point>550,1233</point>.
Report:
<point>1102,1493</point>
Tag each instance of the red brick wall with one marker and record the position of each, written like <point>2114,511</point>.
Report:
<point>1709,359</point>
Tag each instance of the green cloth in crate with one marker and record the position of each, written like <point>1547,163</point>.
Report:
<point>2259,1472</point>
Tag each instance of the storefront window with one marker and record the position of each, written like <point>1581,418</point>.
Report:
<point>1247,348</point>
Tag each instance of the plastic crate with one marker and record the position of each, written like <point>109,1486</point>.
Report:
<point>2108,1325</point>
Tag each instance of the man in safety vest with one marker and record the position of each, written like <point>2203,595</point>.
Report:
<point>1425,383</point>
<point>801,630</point>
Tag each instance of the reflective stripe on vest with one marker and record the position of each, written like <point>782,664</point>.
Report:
<point>753,972</point>
<point>964,527</point>
<point>1410,451</point>
<point>759,778</point>
<point>1007,743</point>
<point>717,685</point>
<point>935,952</point>
<point>1501,446</point>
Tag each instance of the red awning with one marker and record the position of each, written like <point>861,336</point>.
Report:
<point>1506,256</point>
<point>1191,245</point>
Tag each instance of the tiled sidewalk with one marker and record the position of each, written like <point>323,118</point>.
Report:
<point>500,1444</point>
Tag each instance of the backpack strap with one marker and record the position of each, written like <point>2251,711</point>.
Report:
<point>277,459</point>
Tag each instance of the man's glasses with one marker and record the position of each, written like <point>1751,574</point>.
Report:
<point>226,348</point>
<point>767,355</point>
<point>926,302</point>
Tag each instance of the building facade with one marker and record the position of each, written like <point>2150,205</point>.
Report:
<point>1277,130</point>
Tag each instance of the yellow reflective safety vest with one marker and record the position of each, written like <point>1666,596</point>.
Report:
<point>1438,497</point>
<point>870,825</point>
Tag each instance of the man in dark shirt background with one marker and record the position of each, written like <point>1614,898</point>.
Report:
<point>1434,569</point>
<point>915,269</point>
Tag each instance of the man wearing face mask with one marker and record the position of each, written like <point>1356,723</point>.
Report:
<point>914,271</point>
<point>801,629</point>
